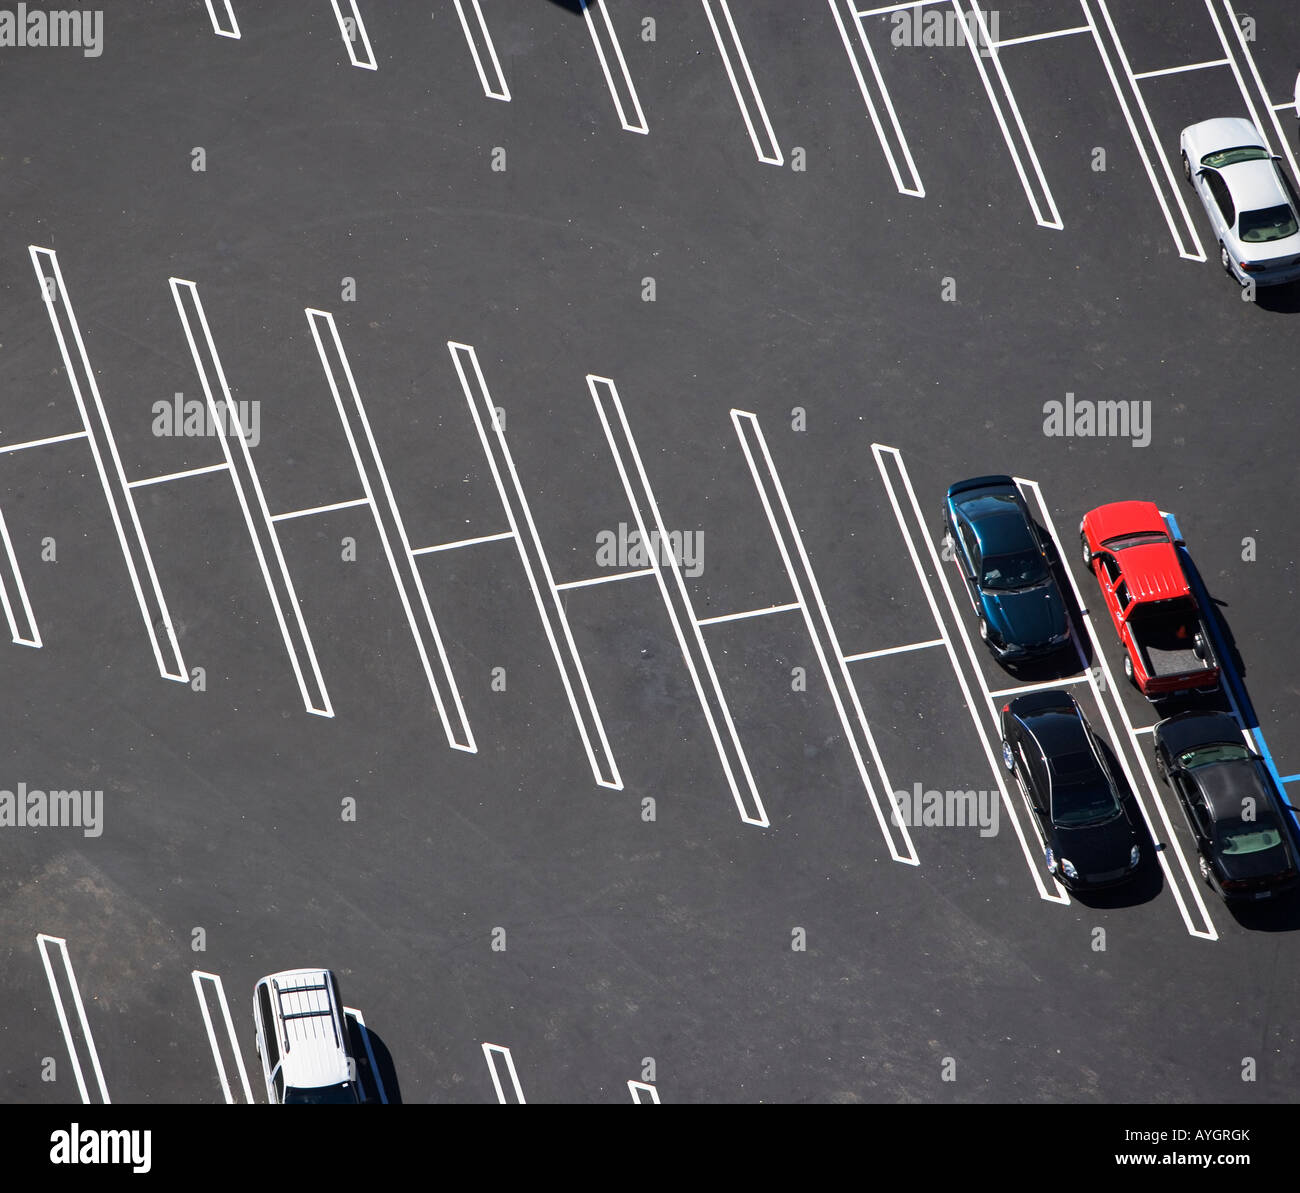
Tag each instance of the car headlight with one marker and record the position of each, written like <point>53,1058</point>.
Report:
<point>1068,866</point>
<point>1134,856</point>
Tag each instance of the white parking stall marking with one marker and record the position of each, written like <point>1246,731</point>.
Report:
<point>1051,33</point>
<point>880,654</point>
<point>42,943</point>
<point>914,188</point>
<point>499,90</point>
<point>629,575</point>
<point>18,447</point>
<point>1240,46</point>
<point>1046,685</point>
<point>289,515</point>
<point>635,103</point>
<point>838,679</point>
<point>391,528</point>
<point>591,728</point>
<point>637,1088</point>
<point>200,979</point>
<point>769,152</point>
<point>233,31</point>
<point>490,1052</point>
<point>750,613</point>
<point>353,28</point>
<point>1151,143</point>
<point>1178,70</point>
<point>978,46</point>
<point>353,1013</point>
<point>32,635</point>
<point>1208,932</point>
<point>99,435</point>
<point>474,542</point>
<point>176,476</point>
<point>297,640</point>
<point>1058,894</point>
<point>641,498</point>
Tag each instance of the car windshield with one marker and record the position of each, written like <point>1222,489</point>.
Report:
<point>1230,157</point>
<point>1141,539</point>
<point>1085,802</point>
<point>1238,837</point>
<point>1222,751</point>
<point>1021,569</point>
<point>1268,223</point>
<point>324,1095</point>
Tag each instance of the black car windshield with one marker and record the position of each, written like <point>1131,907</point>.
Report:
<point>324,1095</point>
<point>1268,223</point>
<point>1230,157</point>
<point>1021,569</point>
<point>1088,802</point>
<point>1238,837</point>
<point>1222,751</point>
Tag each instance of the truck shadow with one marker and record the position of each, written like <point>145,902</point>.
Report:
<point>378,1080</point>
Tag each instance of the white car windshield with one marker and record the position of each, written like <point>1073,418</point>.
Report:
<point>1230,157</point>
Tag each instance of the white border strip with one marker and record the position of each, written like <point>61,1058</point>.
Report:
<point>199,976</point>
<point>774,157</point>
<point>233,31</point>
<point>640,126</point>
<point>500,1050</point>
<point>502,92</point>
<point>41,941</point>
<point>367,63</point>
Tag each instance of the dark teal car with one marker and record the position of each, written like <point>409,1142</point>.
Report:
<point>1003,563</point>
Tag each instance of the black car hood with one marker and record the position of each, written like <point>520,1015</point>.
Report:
<point>1096,848</point>
<point>1027,615</point>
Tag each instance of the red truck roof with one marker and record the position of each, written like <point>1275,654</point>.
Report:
<point>1121,518</point>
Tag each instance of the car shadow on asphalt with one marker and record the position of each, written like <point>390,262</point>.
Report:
<point>1281,300</point>
<point>382,1075</point>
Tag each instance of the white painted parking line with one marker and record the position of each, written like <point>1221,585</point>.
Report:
<point>642,500</point>
<point>1178,70</point>
<point>175,476</point>
<point>632,575</point>
<point>18,447</point>
<point>297,640</point>
<point>879,654</point>
<point>31,636</point>
<point>321,509</point>
<point>1240,47</point>
<point>490,1052</point>
<point>1144,729</point>
<point>879,450</point>
<point>474,542</point>
<point>1021,689</point>
<point>391,528</point>
<point>199,979</point>
<point>353,29</point>
<point>42,943</point>
<point>914,187</point>
<point>875,12</point>
<point>640,126</point>
<point>370,1053</point>
<point>1040,196</point>
<point>573,675</point>
<point>233,30</point>
<point>1106,696</point>
<point>838,679</point>
<point>749,613</point>
<point>497,90</point>
<point>1149,145</point>
<point>99,435</point>
<point>1020,41</point>
<point>637,1088</point>
<point>768,151</point>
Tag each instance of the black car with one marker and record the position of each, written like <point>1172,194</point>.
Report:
<point>1004,565</point>
<point>1053,753</point>
<point>1231,805</point>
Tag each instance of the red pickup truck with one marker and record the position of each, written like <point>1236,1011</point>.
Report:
<point>1128,547</point>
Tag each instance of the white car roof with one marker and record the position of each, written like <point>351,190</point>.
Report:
<point>312,1054</point>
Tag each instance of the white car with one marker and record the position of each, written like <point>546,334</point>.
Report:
<point>302,1039</point>
<point>1249,200</point>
